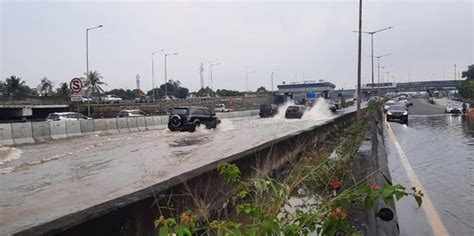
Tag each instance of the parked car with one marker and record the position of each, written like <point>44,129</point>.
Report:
<point>131,113</point>
<point>143,99</point>
<point>398,112</point>
<point>189,118</point>
<point>268,110</point>
<point>221,108</point>
<point>388,104</point>
<point>57,116</point>
<point>453,108</point>
<point>295,111</point>
<point>111,98</point>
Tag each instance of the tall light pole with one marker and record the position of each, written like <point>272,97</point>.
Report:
<point>372,46</point>
<point>247,77</point>
<point>271,75</point>
<point>87,67</point>
<point>166,78</point>
<point>383,68</point>
<point>455,72</point>
<point>212,82</point>
<point>359,60</point>
<point>153,72</point>
<point>378,65</point>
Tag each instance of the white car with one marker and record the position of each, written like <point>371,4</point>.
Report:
<point>388,104</point>
<point>57,116</point>
<point>131,113</point>
<point>221,108</point>
<point>112,99</point>
<point>453,108</point>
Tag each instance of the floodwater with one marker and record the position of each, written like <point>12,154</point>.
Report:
<point>440,149</point>
<point>42,182</point>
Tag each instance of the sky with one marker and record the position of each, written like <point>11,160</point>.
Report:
<point>296,40</point>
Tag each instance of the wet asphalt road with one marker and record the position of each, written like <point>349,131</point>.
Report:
<point>440,150</point>
<point>45,181</point>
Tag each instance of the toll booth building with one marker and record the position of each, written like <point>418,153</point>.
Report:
<point>308,90</point>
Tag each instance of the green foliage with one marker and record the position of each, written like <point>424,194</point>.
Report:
<point>228,93</point>
<point>45,88</point>
<point>94,82</point>
<point>466,90</point>
<point>264,207</point>
<point>469,73</point>
<point>205,92</point>
<point>262,90</point>
<point>181,92</point>
<point>63,90</point>
<point>125,94</point>
<point>16,87</point>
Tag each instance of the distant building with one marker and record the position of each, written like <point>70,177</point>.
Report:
<point>309,90</point>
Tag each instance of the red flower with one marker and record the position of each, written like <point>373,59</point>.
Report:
<point>374,186</point>
<point>335,183</point>
<point>185,218</point>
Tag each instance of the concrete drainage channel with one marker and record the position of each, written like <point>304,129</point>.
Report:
<point>134,214</point>
<point>37,132</point>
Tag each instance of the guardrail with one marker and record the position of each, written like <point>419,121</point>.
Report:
<point>36,132</point>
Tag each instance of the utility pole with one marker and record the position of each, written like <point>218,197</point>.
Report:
<point>455,72</point>
<point>359,60</point>
<point>272,80</point>
<point>153,73</point>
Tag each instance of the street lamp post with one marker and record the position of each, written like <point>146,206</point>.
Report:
<point>212,82</point>
<point>271,75</point>
<point>87,66</point>
<point>372,47</point>
<point>153,73</point>
<point>383,68</point>
<point>378,65</point>
<point>166,78</point>
<point>359,50</point>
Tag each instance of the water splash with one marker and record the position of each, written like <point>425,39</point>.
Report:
<point>8,154</point>
<point>281,110</point>
<point>319,111</point>
<point>225,125</point>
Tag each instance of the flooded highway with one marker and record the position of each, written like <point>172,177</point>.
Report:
<point>45,181</point>
<point>440,149</point>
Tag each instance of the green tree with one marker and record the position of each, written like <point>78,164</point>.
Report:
<point>181,92</point>
<point>469,73</point>
<point>93,83</point>
<point>466,90</point>
<point>159,93</point>
<point>14,86</point>
<point>125,94</point>
<point>262,90</point>
<point>227,93</point>
<point>3,88</point>
<point>204,92</point>
<point>171,86</point>
<point>45,87</point>
<point>63,90</point>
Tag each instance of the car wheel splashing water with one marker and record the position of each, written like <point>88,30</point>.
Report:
<point>319,111</point>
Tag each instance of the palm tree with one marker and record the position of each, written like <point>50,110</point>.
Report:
<point>13,84</point>
<point>93,82</point>
<point>45,87</point>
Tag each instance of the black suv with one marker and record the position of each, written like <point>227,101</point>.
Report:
<point>268,110</point>
<point>398,112</point>
<point>188,118</point>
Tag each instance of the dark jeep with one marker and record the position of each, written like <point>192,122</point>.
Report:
<point>268,110</point>
<point>188,118</point>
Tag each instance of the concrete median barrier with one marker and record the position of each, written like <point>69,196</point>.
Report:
<point>112,127</point>
<point>122,125</point>
<point>164,120</point>
<point>41,131</point>
<point>73,128</point>
<point>6,135</point>
<point>100,125</point>
<point>132,124</point>
<point>151,123</point>
<point>87,126</point>
<point>141,123</point>
<point>58,129</point>
<point>22,133</point>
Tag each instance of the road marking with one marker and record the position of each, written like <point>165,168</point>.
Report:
<point>431,214</point>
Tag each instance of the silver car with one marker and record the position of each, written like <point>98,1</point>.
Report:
<point>57,116</point>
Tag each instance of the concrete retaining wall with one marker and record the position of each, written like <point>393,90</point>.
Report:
<point>73,128</point>
<point>31,132</point>
<point>22,133</point>
<point>133,214</point>
<point>41,131</point>
<point>6,135</point>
